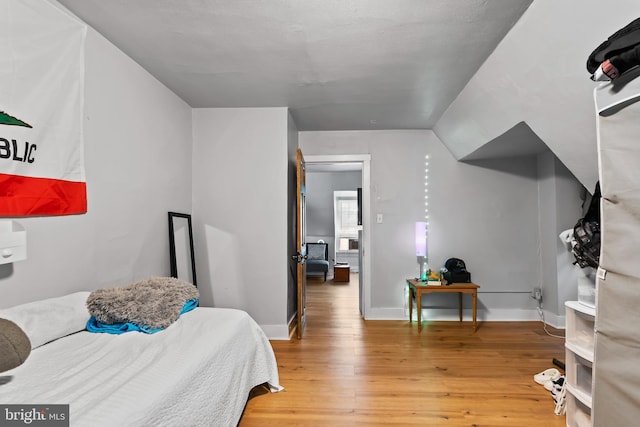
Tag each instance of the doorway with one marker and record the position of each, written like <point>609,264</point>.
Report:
<point>361,165</point>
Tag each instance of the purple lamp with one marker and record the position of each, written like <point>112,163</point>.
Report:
<point>421,249</point>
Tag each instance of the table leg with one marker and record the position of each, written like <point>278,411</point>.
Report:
<point>410,304</point>
<point>460,304</point>
<point>474,297</point>
<point>419,308</point>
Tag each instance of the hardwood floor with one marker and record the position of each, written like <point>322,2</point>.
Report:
<point>351,372</point>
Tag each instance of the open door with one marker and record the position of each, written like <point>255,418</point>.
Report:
<point>301,246</point>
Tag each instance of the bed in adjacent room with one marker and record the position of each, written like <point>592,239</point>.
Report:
<point>198,371</point>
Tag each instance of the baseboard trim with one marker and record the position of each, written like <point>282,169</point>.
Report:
<point>276,332</point>
<point>484,315</point>
<point>288,332</point>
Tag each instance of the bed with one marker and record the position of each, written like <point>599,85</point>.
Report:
<point>198,371</point>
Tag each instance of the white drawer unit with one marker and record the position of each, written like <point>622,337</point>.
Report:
<point>578,414</point>
<point>579,345</point>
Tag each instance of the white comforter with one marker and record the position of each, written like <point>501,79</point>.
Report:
<point>197,372</point>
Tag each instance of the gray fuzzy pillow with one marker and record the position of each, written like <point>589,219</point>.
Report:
<point>155,302</point>
<point>15,346</point>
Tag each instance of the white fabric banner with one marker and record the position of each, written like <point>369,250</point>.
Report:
<point>41,109</point>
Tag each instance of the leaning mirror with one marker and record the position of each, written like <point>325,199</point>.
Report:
<point>183,264</point>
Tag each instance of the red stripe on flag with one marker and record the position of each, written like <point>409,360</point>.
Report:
<point>26,196</point>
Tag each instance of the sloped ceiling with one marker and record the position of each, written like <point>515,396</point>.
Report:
<point>535,86</point>
<point>337,64</point>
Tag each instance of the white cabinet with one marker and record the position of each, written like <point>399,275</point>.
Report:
<point>579,346</point>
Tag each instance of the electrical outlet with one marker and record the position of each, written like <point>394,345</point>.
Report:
<point>536,294</point>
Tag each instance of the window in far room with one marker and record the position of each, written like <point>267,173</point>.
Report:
<point>346,220</point>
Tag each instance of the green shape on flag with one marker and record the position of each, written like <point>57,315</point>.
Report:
<point>6,119</point>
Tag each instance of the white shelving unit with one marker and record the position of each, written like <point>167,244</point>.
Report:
<point>579,349</point>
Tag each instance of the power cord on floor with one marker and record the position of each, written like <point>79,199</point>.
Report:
<point>541,313</point>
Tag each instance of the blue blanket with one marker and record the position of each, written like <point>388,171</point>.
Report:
<point>93,325</point>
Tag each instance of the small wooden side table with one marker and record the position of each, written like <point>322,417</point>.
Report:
<point>341,272</point>
<point>418,287</point>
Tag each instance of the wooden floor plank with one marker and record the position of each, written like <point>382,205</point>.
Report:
<point>351,372</point>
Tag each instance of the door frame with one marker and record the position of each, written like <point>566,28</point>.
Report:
<point>365,269</point>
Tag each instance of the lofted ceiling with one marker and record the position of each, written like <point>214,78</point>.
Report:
<point>337,64</point>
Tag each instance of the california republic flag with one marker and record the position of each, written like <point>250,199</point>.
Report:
<point>41,104</point>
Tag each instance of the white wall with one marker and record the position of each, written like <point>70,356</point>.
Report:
<point>485,213</point>
<point>240,209</point>
<point>569,210</point>
<point>559,209</point>
<point>137,157</point>
<point>538,75</point>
